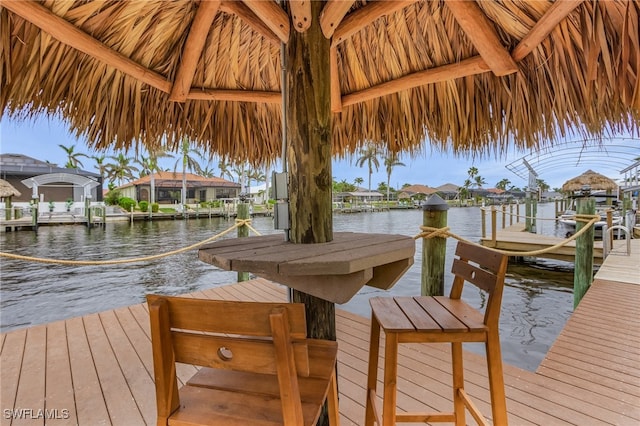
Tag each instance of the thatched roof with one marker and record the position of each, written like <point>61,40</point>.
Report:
<point>419,189</point>
<point>7,190</point>
<point>596,181</point>
<point>470,76</point>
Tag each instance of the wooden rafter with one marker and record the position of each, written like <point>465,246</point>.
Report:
<point>552,17</point>
<point>483,36</point>
<point>332,14</point>
<point>336,95</point>
<point>193,49</point>
<point>239,9</point>
<point>272,16</point>
<point>300,14</point>
<point>67,33</point>
<point>235,95</point>
<point>364,16</point>
<point>466,67</point>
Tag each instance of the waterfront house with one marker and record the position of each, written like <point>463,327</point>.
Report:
<point>53,183</point>
<point>168,186</point>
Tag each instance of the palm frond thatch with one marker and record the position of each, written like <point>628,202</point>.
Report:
<point>7,190</point>
<point>582,77</point>
<point>595,181</point>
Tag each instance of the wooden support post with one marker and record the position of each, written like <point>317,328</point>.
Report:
<point>494,227</point>
<point>527,212</point>
<point>34,213</point>
<point>510,214</point>
<point>583,273</point>
<point>309,131</point>
<point>243,231</point>
<point>518,213</point>
<point>504,216</point>
<point>483,214</point>
<point>534,215</point>
<point>8,208</point>
<point>434,250</point>
<point>87,211</point>
<point>609,225</point>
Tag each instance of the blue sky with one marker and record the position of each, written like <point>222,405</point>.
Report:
<point>40,138</point>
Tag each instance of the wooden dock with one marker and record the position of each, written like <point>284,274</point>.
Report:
<point>97,369</point>
<point>515,239</point>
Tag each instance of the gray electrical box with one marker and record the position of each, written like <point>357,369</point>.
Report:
<point>281,216</point>
<point>280,186</point>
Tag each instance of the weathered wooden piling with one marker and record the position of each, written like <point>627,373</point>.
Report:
<point>243,231</point>
<point>583,273</point>
<point>434,250</point>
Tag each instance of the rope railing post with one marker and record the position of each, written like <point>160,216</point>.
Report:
<point>527,212</point>
<point>583,273</point>
<point>510,214</point>
<point>434,250</point>
<point>518,213</point>
<point>504,216</point>
<point>483,213</point>
<point>243,231</point>
<point>494,226</point>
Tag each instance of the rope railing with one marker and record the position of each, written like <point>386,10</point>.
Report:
<point>239,223</point>
<point>589,220</point>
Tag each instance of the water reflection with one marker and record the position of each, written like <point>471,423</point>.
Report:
<point>537,300</point>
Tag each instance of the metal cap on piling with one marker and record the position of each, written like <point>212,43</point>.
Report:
<point>435,204</point>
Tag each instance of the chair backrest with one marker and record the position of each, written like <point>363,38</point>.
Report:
<point>484,268</point>
<point>268,338</point>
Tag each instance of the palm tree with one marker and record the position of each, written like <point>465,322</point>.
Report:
<point>369,156</point>
<point>208,171</point>
<point>72,157</point>
<point>358,181</point>
<point>257,175</point>
<point>188,163</point>
<point>150,167</point>
<point>100,165</point>
<point>225,170</point>
<point>503,184</point>
<point>479,181</point>
<point>391,161</point>
<point>121,168</point>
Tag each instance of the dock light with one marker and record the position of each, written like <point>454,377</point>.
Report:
<point>243,196</point>
<point>585,190</point>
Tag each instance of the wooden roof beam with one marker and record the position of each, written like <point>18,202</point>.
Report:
<point>193,49</point>
<point>483,35</point>
<point>300,14</point>
<point>272,16</point>
<point>336,95</point>
<point>332,14</point>
<point>552,17</point>
<point>235,95</point>
<point>243,12</point>
<point>364,16</point>
<point>72,36</point>
<point>466,67</point>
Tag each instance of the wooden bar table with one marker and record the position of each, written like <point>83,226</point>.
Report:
<point>333,271</point>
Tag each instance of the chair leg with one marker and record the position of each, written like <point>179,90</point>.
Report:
<point>390,379</point>
<point>458,382</point>
<point>372,375</point>
<point>332,402</point>
<point>496,380</point>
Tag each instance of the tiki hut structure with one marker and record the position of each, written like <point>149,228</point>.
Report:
<point>6,192</point>
<point>591,180</point>
<point>469,76</point>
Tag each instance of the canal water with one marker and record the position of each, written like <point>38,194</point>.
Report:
<point>538,296</point>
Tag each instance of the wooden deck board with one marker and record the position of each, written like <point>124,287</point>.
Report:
<point>100,368</point>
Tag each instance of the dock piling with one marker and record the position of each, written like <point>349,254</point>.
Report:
<point>583,273</point>
<point>243,231</point>
<point>434,250</point>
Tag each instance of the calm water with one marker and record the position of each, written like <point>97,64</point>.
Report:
<point>537,300</point>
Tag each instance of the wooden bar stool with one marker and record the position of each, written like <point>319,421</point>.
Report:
<point>439,319</point>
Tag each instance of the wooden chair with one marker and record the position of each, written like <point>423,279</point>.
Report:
<point>258,366</point>
<point>428,319</point>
